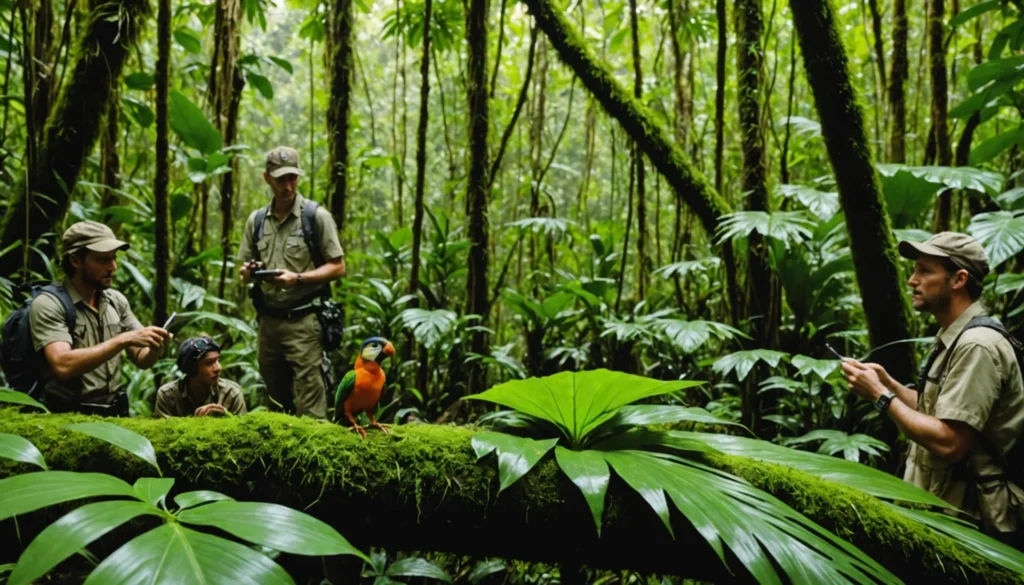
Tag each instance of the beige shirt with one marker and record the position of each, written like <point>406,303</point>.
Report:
<point>982,387</point>
<point>111,317</point>
<point>282,247</point>
<point>172,399</point>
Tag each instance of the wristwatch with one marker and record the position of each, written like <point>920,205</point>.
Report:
<point>299,277</point>
<point>882,404</point>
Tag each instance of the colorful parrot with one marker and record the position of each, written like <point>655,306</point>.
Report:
<point>360,389</point>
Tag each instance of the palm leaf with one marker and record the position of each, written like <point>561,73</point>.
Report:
<point>824,205</point>
<point>743,361</point>
<point>1001,233</point>
<point>789,227</point>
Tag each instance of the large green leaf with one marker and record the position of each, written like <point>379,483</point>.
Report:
<point>974,12</point>
<point>654,414</point>
<point>173,555</point>
<point>968,537</point>
<point>191,125</point>
<point>188,40</point>
<point>29,492</point>
<point>866,479</point>
<point>153,490</point>
<point>261,83</point>
<point>192,499</point>
<point>483,569</point>
<point>577,402</point>
<point>14,397</point>
<point>996,145</point>
<point>835,441</point>
<point>140,80</point>
<point>272,525</point>
<point>689,336</point>
<point>429,327</point>
<point>589,471</point>
<point>20,449</point>
<point>910,190</point>
<point>756,527</point>
<point>789,227</point>
<point>121,437</point>
<point>684,268</point>
<point>743,361</point>
<point>516,455</point>
<point>994,69</point>
<point>73,532</point>
<point>417,567</point>
<point>1012,200</point>
<point>1001,233</point>
<point>824,205</point>
<point>821,368</point>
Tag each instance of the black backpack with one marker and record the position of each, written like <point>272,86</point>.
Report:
<point>309,231</point>
<point>23,365</point>
<point>1011,463</point>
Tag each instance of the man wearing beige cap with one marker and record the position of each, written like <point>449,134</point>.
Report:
<point>84,365</point>
<point>290,249</point>
<point>969,410</point>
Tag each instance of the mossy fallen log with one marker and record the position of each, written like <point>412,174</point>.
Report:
<point>421,488</point>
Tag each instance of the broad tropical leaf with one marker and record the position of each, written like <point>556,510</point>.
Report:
<point>417,567</point>
<point>689,336</point>
<point>73,532</point>
<point>789,227</point>
<point>272,525</point>
<point>909,191</point>
<point>654,414</point>
<point>14,397</point>
<point>1001,233</point>
<point>483,569</point>
<point>190,124</point>
<point>1008,283</point>
<point>549,226</point>
<point>836,441</point>
<point>153,490</point>
<point>516,455</point>
<point>192,499</point>
<point>577,402</point>
<point>741,362</point>
<point>20,449</point>
<point>821,368</point>
<point>800,125</point>
<point>682,269</point>
<point>1012,200</point>
<point>172,555</point>
<point>29,492</point>
<point>589,471</point>
<point>823,204</point>
<point>429,327</point>
<point>121,437</point>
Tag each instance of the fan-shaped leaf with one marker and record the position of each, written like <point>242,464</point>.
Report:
<point>807,365</point>
<point>429,327</point>
<point>824,205</point>
<point>1001,233</point>
<point>121,437</point>
<point>689,336</point>
<point>743,361</point>
<point>272,525</point>
<point>789,227</point>
<point>549,226</point>
<point>20,449</point>
<point>73,532</point>
<point>682,269</point>
<point>173,555</point>
<point>516,455</point>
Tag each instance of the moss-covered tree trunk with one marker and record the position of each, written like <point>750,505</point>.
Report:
<point>477,301</point>
<point>940,101</point>
<point>110,161</point>
<point>422,488</point>
<point>642,260</point>
<point>338,110</point>
<point>897,80</point>
<point>720,16</point>
<point>422,371</point>
<point>162,253</point>
<point>638,122</point>
<point>73,127</point>
<point>872,244</point>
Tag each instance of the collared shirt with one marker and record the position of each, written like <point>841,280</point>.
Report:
<point>111,317</point>
<point>283,247</point>
<point>172,399</point>
<point>982,387</point>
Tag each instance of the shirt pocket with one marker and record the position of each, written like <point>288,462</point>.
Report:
<point>262,247</point>
<point>296,254</point>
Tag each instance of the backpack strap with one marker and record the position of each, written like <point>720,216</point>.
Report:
<point>257,229</point>
<point>309,232</point>
<point>61,294</point>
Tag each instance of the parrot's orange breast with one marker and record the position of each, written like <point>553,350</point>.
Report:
<point>367,390</point>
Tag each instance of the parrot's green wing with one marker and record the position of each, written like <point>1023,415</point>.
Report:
<point>345,387</point>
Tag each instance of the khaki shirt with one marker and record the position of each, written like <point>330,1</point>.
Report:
<point>981,386</point>
<point>282,247</point>
<point>93,326</point>
<point>172,399</point>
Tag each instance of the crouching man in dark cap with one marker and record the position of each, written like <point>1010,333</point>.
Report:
<point>201,391</point>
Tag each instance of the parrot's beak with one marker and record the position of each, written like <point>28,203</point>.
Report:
<point>389,350</point>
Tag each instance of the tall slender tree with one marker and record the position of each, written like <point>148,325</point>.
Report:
<point>897,80</point>
<point>162,254</point>
<point>340,43</point>
<point>940,101</point>
<point>642,259</point>
<point>477,301</point>
<point>421,152</point>
<point>720,15</point>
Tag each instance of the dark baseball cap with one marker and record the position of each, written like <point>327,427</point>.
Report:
<point>962,249</point>
<point>91,235</point>
<point>283,160</point>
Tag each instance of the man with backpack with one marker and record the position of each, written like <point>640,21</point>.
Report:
<point>967,414</point>
<point>290,249</point>
<point>80,330</point>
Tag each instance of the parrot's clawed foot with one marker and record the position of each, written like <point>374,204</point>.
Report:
<point>380,426</point>
<point>359,430</point>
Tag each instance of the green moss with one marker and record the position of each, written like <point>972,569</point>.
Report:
<point>422,488</point>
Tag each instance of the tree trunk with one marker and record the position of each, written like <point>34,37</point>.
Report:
<point>421,155</point>
<point>446,500</point>
<point>476,187</point>
<point>642,261</point>
<point>338,110</point>
<point>72,128</point>
<point>876,28</point>
<point>227,184</point>
<point>940,100</point>
<point>110,162</point>
<point>900,70</point>
<point>720,97</point>
<point>872,244</point>
<point>162,254</point>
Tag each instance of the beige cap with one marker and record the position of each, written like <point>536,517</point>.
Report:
<point>962,249</point>
<point>283,160</point>
<point>91,235</point>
